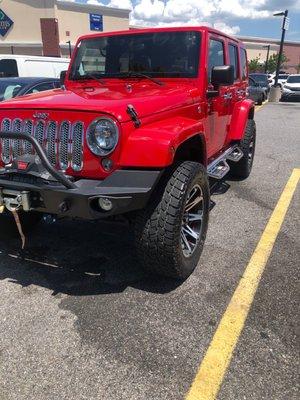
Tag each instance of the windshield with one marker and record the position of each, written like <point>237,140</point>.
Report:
<point>293,79</point>
<point>9,89</point>
<point>161,54</point>
<point>260,78</point>
<point>283,76</point>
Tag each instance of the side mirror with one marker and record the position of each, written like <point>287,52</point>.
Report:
<point>62,77</point>
<point>222,75</point>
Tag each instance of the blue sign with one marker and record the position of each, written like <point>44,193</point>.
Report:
<point>5,23</point>
<point>96,22</point>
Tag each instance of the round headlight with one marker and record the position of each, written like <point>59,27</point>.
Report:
<point>102,136</point>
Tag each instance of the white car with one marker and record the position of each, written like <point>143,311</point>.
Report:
<point>12,65</point>
<point>291,88</point>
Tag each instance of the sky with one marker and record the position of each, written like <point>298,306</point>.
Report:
<point>238,17</point>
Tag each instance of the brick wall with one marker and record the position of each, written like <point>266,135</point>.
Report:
<point>50,37</point>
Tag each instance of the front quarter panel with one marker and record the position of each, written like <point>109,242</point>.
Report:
<point>155,144</point>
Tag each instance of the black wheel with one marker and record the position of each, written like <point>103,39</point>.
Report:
<point>242,168</point>
<point>8,227</point>
<point>260,100</point>
<point>171,231</point>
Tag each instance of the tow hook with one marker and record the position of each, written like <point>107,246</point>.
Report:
<point>13,201</point>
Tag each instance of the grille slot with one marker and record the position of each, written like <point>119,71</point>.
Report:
<point>51,142</point>
<point>63,143</point>
<point>39,132</point>
<point>6,150</point>
<point>17,144</point>
<point>28,128</point>
<point>77,146</point>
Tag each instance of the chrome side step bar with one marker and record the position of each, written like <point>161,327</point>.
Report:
<point>219,167</point>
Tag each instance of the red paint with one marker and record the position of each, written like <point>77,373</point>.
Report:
<point>169,114</point>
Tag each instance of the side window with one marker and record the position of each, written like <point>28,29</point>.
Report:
<point>216,55</point>
<point>8,67</point>
<point>40,88</point>
<point>243,57</point>
<point>233,59</point>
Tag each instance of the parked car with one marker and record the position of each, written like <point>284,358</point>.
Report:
<point>30,66</point>
<point>291,88</point>
<point>262,80</point>
<point>256,92</point>
<point>14,87</point>
<point>143,134</point>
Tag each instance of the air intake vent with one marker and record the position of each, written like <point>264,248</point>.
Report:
<point>6,149</point>
<point>17,144</point>
<point>63,152</point>
<point>51,142</point>
<point>77,146</point>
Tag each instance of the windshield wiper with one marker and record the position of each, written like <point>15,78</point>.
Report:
<point>133,74</point>
<point>89,76</point>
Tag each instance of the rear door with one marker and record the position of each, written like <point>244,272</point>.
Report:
<point>219,106</point>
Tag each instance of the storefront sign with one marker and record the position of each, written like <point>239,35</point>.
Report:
<point>96,22</point>
<point>5,23</point>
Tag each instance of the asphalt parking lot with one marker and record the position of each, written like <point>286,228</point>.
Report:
<point>81,320</point>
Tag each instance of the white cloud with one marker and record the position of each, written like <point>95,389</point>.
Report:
<point>94,3</point>
<point>217,13</point>
<point>127,4</point>
<point>230,30</point>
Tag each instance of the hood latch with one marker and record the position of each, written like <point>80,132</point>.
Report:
<point>134,115</point>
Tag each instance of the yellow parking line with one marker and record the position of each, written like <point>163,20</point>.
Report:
<point>257,108</point>
<point>211,373</point>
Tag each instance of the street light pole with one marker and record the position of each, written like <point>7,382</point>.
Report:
<point>284,28</point>
<point>70,47</point>
<point>267,58</point>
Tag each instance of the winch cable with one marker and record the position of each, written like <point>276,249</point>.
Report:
<point>19,226</point>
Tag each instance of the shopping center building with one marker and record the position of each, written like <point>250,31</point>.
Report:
<point>45,27</point>
<point>258,48</point>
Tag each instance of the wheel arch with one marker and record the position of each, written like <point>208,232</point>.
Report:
<point>242,111</point>
<point>192,149</point>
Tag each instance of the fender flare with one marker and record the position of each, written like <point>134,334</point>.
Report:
<point>243,110</point>
<point>155,145</point>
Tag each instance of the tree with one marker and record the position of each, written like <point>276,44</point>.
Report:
<point>272,63</point>
<point>255,65</point>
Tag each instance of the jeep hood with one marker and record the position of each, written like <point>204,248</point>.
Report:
<point>146,99</point>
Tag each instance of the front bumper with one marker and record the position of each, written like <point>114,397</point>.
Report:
<point>291,94</point>
<point>50,191</point>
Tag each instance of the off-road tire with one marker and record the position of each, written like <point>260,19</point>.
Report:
<point>158,226</point>
<point>242,169</point>
<point>8,227</point>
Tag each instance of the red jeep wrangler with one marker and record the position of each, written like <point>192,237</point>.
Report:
<point>145,121</point>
